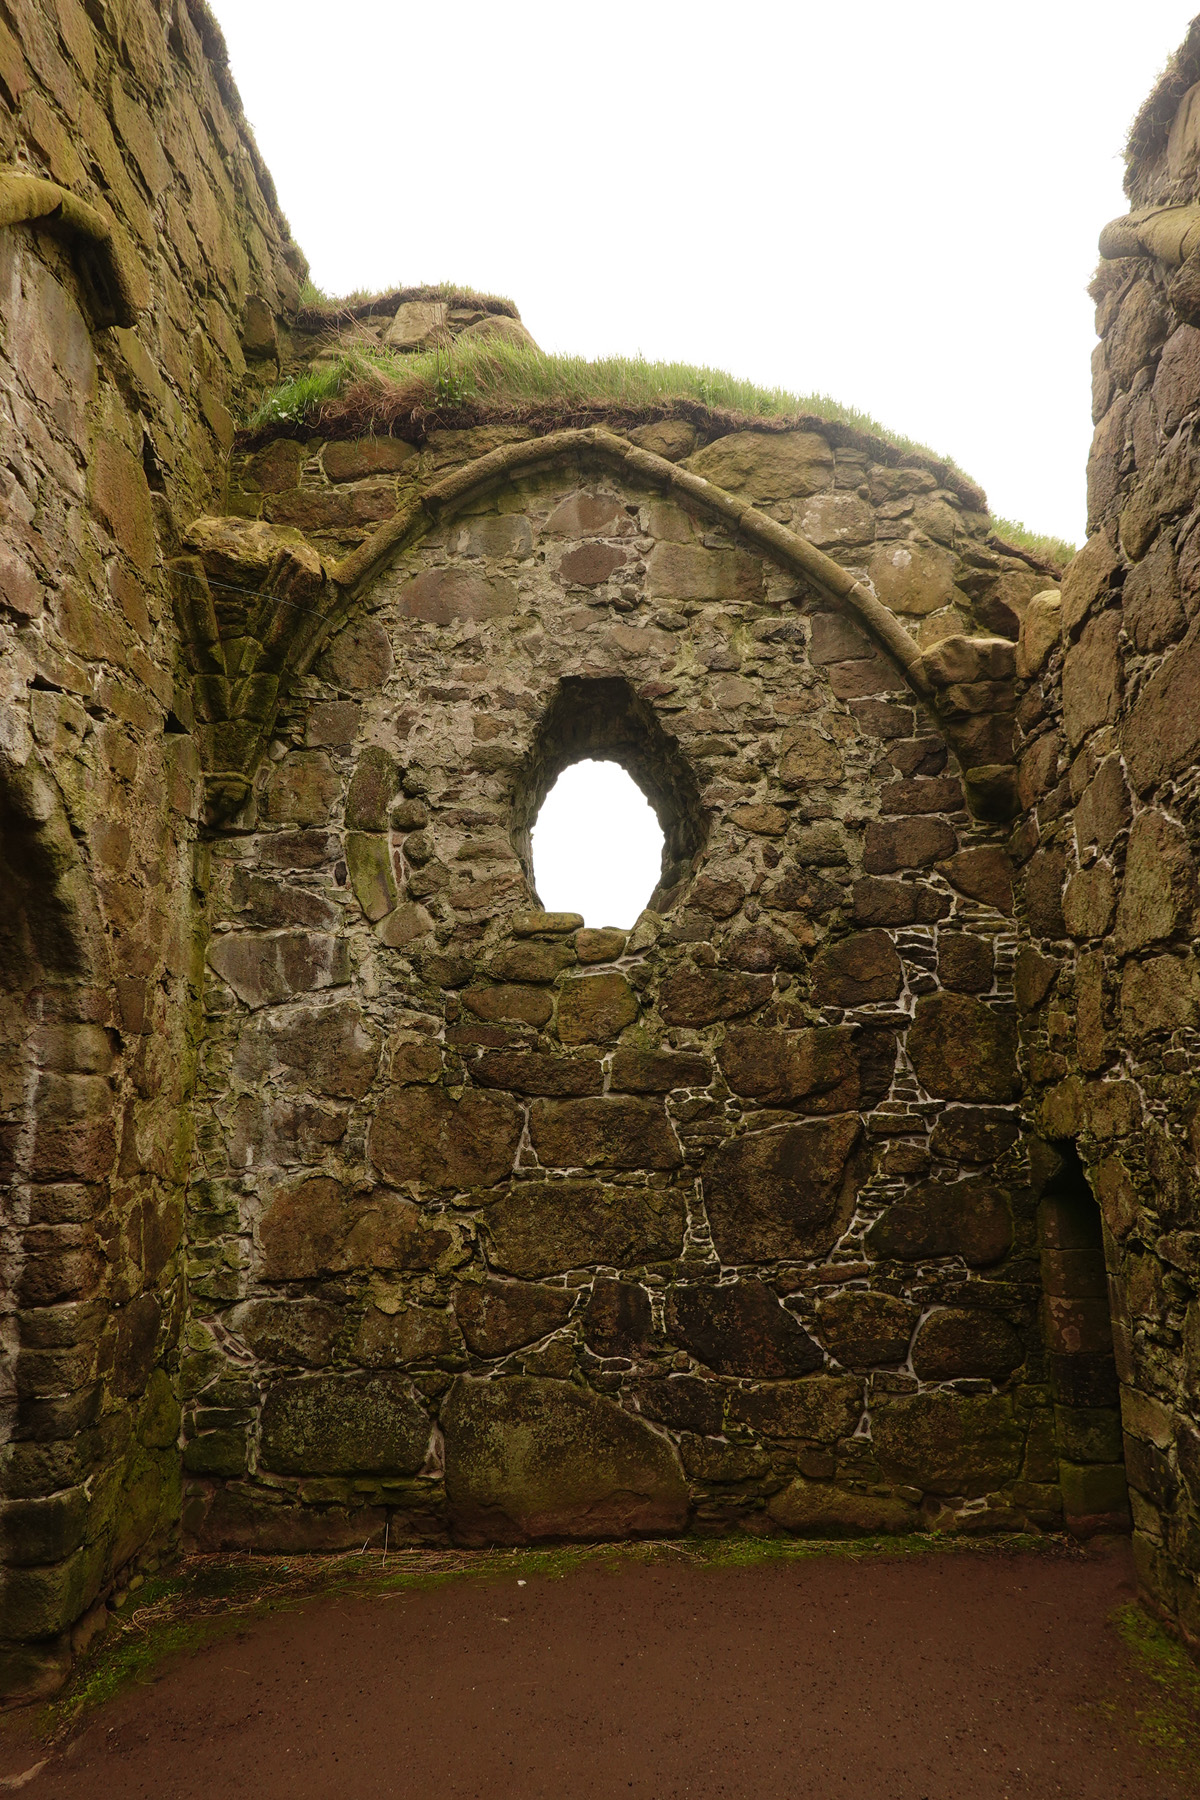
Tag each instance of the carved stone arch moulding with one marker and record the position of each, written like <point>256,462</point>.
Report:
<point>256,602</point>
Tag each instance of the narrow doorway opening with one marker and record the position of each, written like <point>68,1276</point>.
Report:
<point>597,846</point>
<point>1079,1344</point>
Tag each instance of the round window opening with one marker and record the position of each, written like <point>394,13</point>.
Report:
<point>597,845</point>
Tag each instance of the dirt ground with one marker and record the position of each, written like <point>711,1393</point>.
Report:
<point>968,1676</point>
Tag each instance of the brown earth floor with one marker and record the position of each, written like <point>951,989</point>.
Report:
<point>972,1676</point>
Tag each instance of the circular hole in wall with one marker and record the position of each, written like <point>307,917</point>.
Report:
<point>597,845</point>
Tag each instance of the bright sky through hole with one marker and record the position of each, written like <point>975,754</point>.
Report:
<point>597,846</point>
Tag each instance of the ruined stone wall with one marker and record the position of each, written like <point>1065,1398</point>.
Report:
<point>112,438</point>
<point>505,1228</point>
<point>1111,728</point>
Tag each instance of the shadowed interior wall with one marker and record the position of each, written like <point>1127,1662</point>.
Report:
<point>112,437</point>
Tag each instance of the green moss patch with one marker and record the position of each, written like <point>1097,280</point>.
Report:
<point>1162,1708</point>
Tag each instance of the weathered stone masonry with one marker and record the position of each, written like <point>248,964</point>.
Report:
<point>811,1203</point>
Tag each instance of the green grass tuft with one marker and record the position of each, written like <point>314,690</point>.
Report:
<point>1040,544</point>
<point>497,375</point>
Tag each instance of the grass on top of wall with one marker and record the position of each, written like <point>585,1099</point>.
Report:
<point>364,391</point>
<point>319,310</point>
<point>1044,546</point>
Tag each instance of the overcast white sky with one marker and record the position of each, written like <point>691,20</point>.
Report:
<point>896,205</point>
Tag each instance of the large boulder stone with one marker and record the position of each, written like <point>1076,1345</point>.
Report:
<point>863,1329</point>
<point>530,1458</point>
<point>498,1316</point>
<point>957,1444</point>
<point>343,1425</point>
<point>421,1134</point>
<point>739,1328</point>
<point>418,324</point>
<point>615,1132</point>
<point>786,1192</point>
<point>963,1050</point>
<point>764,465</point>
<point>971,1219</point>
<point>547,1227</point>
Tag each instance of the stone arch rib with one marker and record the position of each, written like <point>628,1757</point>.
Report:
<point>788,548</point>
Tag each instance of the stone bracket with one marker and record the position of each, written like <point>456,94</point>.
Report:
<point>107,275</point>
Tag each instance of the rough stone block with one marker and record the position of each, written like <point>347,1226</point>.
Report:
<point>498,1316</point>
<point>786,1192</point>
<point>262,970</point>
<point>912,843</point>
<point>767,465</point>
<point>530,1458</point>
<point>343,1424</point>
<point>857,970</point>
<point>592,1008</point>
<point>948,1443</point>
<point>422,1134</point>
<point>315,1227</point>
<point>817,1509</point>
<point>548,1227</point>
<point>862,1329</point>
<point>739,1328</point>
<point>963,1050</point>
<point>612,1132</point>
<point>451,596</point>
<point>618,1318</point>
<point>956,1342</point>
<point>971,1219</point>
<point>819,1409</point>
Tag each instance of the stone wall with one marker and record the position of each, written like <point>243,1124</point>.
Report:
<point>505,1228</point>
<point>112,438</point>
<point>842,1193</point>
<point>1111,736</point>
